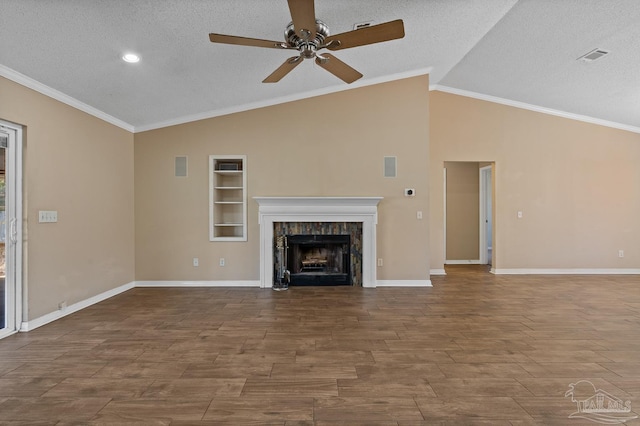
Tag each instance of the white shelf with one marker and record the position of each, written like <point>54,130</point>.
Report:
<point>227,198</point>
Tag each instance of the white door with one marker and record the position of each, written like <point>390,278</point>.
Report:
<point>10,228</point>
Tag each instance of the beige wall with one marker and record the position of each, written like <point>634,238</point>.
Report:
<point>331,145</point>
<point>463,210</point>
<point>576,183</point>
<point>83,168</point>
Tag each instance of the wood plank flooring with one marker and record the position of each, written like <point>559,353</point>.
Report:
<point>474,349</point>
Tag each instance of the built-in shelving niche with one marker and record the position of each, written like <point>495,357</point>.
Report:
<point>227,198</point>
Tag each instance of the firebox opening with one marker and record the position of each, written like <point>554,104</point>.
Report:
<point>319,259</point>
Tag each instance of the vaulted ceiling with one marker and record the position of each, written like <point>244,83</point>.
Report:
<point>519,52</point>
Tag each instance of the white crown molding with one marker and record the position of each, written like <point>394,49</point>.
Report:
<point>585,271</point>
<point>283,99</point>
<point>23,80</point>
<point>29,82</point>
<point>534,108</point>
<point>403,283</point>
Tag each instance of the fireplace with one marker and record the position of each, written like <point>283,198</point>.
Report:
<point>353,216</point>
<point>319,259</point>
<point>319,253</point>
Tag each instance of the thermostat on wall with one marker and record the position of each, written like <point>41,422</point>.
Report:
<point>409,192</point>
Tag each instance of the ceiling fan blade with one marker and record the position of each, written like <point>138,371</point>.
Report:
<point>374,34</point>
<point>246,41</point>
<point>303,16</point>
<point>338,68</point>
<point>283,69</point>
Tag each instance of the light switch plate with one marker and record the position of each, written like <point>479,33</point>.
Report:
<point>47,216</point>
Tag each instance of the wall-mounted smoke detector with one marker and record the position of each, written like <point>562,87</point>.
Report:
<point>362,25</point>
<point>593,55</point>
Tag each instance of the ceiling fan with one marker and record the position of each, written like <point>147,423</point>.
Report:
<point>309,35</point>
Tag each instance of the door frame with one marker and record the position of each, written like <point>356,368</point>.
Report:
<point>14,219</point>
<point>485,178</point>
<point>444,190</point>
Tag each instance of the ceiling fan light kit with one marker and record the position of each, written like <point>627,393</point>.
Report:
<point>308,35</point>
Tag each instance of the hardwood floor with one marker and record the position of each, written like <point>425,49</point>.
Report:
<point>474,349</point>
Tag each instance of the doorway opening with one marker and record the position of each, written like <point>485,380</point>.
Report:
<point>468,213</point>
<point>486,216</point>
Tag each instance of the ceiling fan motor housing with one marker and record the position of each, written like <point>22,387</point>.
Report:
<point>306,46</point>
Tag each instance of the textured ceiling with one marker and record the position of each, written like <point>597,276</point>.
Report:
<point>518,52</point>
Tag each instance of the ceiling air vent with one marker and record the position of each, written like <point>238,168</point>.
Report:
<point>593,55</point>
<point>362,25</point>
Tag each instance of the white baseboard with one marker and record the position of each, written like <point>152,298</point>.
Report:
<point>230,283</point>
<point>52,316</point>
<point>438,272</point>
<point>614,271</point>
<point>462,262</point>
<point>46,319</point>
<point>403,283</point>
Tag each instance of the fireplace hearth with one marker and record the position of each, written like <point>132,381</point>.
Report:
<point>319,260</point>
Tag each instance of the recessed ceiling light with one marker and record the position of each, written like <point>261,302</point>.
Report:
<point>131,58</point>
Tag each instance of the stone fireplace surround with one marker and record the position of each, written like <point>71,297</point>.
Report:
<point>318,209</point>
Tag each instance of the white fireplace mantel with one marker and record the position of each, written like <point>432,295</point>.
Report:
<point>318,209</point>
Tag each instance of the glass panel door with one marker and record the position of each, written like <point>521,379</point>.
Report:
<point>10,228</point>
<point>4,294</point>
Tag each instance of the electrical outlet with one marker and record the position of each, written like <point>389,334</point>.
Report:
<point>380,262</point>
<point>620,253</point>
<point>222,261</point>
<point>196,262</point>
